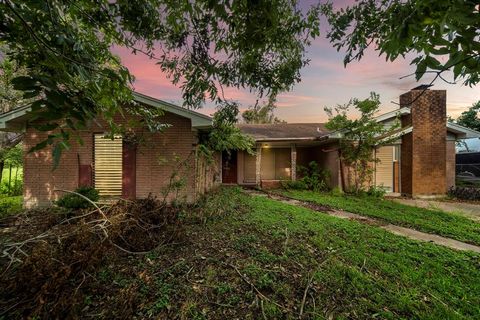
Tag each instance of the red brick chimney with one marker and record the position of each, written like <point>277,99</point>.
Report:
<point>423,151</point>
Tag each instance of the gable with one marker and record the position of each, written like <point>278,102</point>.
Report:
<point>16,119</point>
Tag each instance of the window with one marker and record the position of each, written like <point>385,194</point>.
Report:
<point>276,164</point>
<point>396,153</point>
<point>108,165</point>
<point>249,167</point>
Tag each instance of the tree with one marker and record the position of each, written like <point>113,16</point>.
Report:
<point>9,99</point>
<point>443,34</point>
<point>202,45</point>
<point>360,137</point>
<point>470,118</point>
<point>225,135</point>
<point>258,114</point>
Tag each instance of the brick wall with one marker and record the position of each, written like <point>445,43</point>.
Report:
<point>451,155</point>
<point>424,151</point>
<point>157,158</point>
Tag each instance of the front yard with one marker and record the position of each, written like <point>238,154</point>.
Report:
<point>450,225</point>
<point>249,257</point>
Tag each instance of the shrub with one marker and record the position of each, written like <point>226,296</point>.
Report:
<point>312,178</point>
<point>464,193</point>
<point>12,181</point>
<point>10,205</point>
<point>376,192</point>
<point>295,185</point>
<point>75,202</point>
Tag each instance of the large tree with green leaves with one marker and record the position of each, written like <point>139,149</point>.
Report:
<point>261,113</point>
<point>441,34</point>
<point>471,117</point>
<point>203,46</point>
<point>359,138</point>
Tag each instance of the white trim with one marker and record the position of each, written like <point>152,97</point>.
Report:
<point>461,131</point>
<point>393,114</point>
<point>199,120</point>
<point>398,134</point>
<point>12,115</point>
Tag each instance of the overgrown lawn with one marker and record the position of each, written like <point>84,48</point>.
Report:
<point>434,221</point>
<point>249,257</point>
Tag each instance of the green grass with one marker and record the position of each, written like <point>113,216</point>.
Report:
<point>438,222</point>
<point>250,257</point>
<point>10,205</point>
<point>369,272</point>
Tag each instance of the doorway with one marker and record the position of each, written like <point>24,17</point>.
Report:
<point>229,167</point>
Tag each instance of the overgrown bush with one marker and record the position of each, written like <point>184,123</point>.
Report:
<point>75,202</point>
<point>12,181</point>
<point>12,189</point>
<point>10,205</point>
<point>465,193</point>
<point>295,185</point>
<point>376,192</point>
<point>312,178</point>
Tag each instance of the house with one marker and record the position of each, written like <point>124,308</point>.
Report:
<point>116,167</point>
<point>421,162</point>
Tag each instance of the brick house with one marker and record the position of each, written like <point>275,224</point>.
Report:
<point>114,167</point>
<point>421,162</point>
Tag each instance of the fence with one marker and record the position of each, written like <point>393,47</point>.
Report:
<point>468,173</point>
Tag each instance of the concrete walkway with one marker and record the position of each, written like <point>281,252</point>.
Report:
<point>401,231</point>
<point>469,210</point>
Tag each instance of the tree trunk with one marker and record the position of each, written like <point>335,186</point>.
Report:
<point>2,165</point>
<point>10,179</point>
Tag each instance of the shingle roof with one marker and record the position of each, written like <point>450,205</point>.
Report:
<point>287,131</point>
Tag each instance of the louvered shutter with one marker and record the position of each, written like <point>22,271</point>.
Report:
<point>384,168</point>
<point>108,165</point>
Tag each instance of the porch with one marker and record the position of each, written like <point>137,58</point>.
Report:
<point>274,162</point>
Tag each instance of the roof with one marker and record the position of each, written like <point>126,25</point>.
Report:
<point>318,131</point>
<point>285,131</point>
<point>393,114</point>
<point>15,119</point>
<point>199,120</point>
<point>461,131</point>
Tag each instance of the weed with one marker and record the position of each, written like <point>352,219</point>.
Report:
<point>262,279</point>
<point>246,244</point>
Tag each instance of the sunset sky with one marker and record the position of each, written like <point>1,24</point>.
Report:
<point>325,82</point>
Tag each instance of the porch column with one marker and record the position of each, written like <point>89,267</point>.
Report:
<point>294,162</point>
<point>257,164</point>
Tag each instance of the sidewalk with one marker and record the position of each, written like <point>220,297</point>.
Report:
<point>405,232</point>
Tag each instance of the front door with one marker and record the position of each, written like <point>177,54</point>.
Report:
<point>229,167</point>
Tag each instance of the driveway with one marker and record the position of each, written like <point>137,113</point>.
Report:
<point>469,210</point>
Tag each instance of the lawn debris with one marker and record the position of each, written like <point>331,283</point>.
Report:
<point>45,265</point>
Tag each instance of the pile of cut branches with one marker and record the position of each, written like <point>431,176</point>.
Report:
<point>45,265</point>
